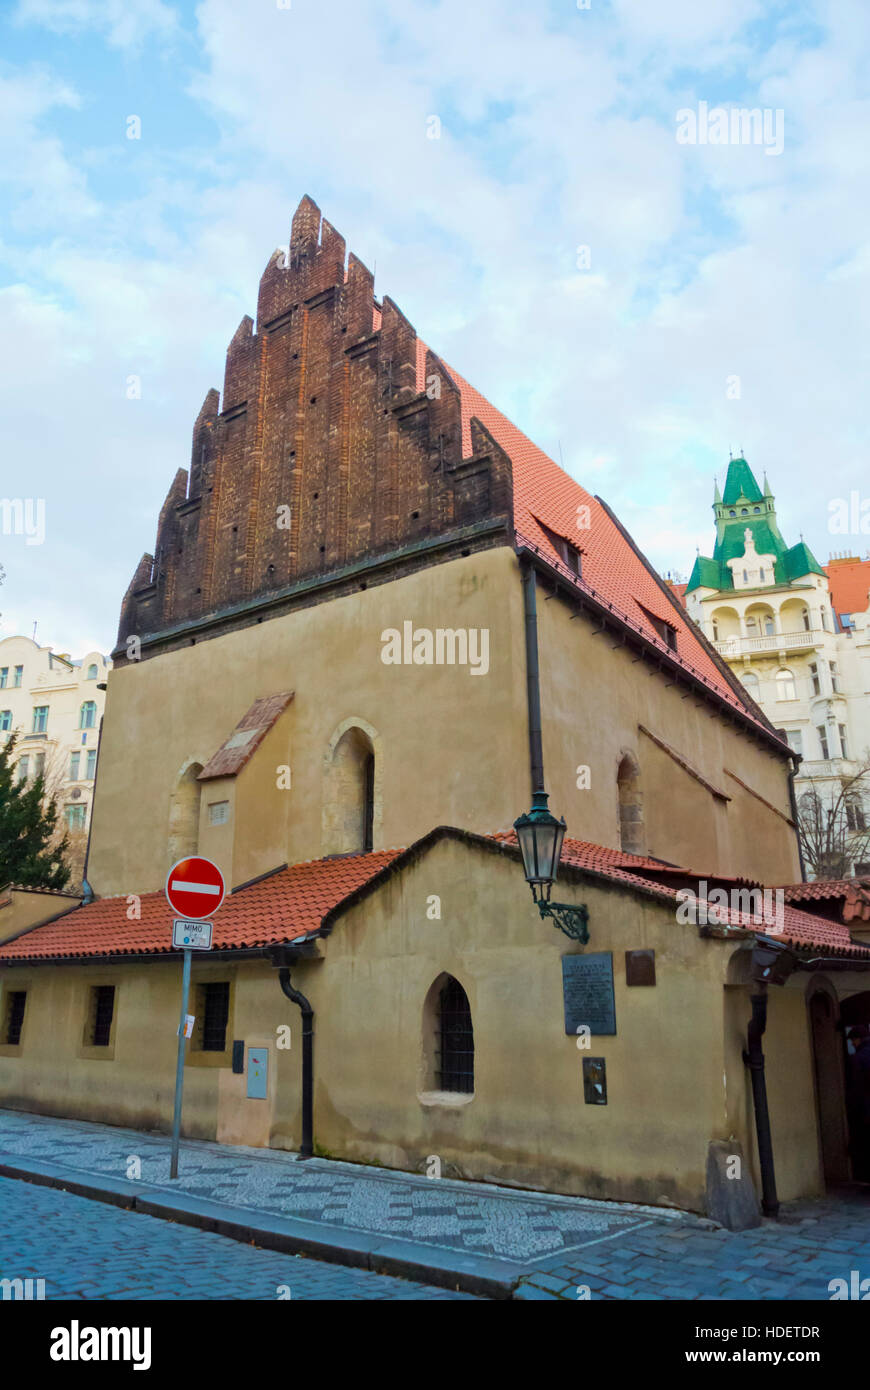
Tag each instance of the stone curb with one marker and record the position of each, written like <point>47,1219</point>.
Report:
<point>476,1274</point>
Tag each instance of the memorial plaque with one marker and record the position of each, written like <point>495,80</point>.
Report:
<point>640,967</point>
<point>587,989</point>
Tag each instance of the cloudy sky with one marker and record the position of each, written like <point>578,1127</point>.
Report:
<point>721,303</point>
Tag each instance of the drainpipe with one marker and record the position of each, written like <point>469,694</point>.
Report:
<point>792,799</point>
<point>306,1149</point>
<point>533,685</point>
<point>86,887</point>
<point>754,1059</point>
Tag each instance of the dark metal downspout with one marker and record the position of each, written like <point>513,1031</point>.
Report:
<point>86,887</point>
<point>533,685</point>
<point>795,764</point>
<point>754,1059</point>
<point>306,1149</point>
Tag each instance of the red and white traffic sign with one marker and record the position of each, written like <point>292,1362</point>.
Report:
<point>195,887</point>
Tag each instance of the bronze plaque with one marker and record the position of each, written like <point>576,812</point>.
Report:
<point>640,967</point>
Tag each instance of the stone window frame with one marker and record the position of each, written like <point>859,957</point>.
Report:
<point>428,1066</point>
<point>89,1051</point>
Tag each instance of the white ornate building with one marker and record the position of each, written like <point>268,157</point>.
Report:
<point>767,608</point>
<point>55,705</point>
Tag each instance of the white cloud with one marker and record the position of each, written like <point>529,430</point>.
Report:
<point>705,263</point>
<point>125,23</point>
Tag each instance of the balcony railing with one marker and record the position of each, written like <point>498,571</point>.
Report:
<point>772,642</point>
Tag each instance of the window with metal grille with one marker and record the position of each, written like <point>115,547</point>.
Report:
<point>455,1040</point>
<point>215,1015</point>
<point>102,1013</point>
<point>17,999</point>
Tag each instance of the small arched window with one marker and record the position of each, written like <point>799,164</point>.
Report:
<point>630,806</point>
<point>750,682</point>
<point>88,715</point>
<point>184,805</point>
<point>92,672</point>
<point>785,685</point>
<point>349,794</point>
<point>455,1064</point>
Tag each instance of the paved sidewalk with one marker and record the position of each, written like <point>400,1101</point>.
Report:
<point>470,1235</point>
<point>86,1250</point>
<point>487,1240</point>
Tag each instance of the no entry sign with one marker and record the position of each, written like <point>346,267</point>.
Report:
<point>194,887</point>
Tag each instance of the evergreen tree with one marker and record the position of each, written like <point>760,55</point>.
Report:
<point>30,853</point>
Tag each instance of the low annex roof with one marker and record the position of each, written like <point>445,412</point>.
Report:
<point>305,898</point>
<point>252,728</point>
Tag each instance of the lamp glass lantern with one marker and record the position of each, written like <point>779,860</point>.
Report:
<point>540,837</point>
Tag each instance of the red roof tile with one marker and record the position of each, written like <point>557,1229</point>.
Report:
<point>849,582</point>
<point>800,929</point>
<point>246,737</point>
<point>293,902</point>
<point>282,907</point>
<point>817,889</point>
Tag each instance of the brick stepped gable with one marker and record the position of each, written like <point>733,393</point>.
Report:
<point>324,411</point>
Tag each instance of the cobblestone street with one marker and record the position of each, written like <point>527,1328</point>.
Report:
<point>88,1250</point>
<point>525,1245</point>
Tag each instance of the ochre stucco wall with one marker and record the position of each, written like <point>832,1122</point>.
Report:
<point>452,746</point>
<point>594,697</point>
<point>675,1074</point>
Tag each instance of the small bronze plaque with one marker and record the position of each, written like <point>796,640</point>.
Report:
<point>640,967</point>
<point>594,1081</point>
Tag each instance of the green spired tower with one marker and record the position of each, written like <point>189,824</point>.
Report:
<point>743,507</point>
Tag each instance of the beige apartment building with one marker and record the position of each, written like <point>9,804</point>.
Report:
<point>55,706</point>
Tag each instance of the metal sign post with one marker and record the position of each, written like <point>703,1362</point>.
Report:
<point>179,1069</point>
<point>194,886</point>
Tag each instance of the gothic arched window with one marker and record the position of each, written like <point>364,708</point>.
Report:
<point>455,1065</point>
<point>630,806</point>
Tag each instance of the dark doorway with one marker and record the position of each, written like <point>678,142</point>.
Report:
<point>830,1079</point>
<point>854,1023</point>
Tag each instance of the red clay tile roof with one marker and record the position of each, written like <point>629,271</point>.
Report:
<point>818,888</point>
<point>849,582</point>
<point>293,902</point>
<point>247,736</point>
<point>800,929</point>
<point>853,893</point>
<point>282,907</point>
<point>613,572</point>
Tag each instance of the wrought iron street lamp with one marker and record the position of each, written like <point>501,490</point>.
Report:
<point>540,838</point>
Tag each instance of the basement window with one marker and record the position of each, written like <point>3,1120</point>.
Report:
<point>213,1016</point>
<point>16,1002</point>
<point>100,1015</point>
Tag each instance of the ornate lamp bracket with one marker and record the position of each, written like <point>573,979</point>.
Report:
<point>570,918</point>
